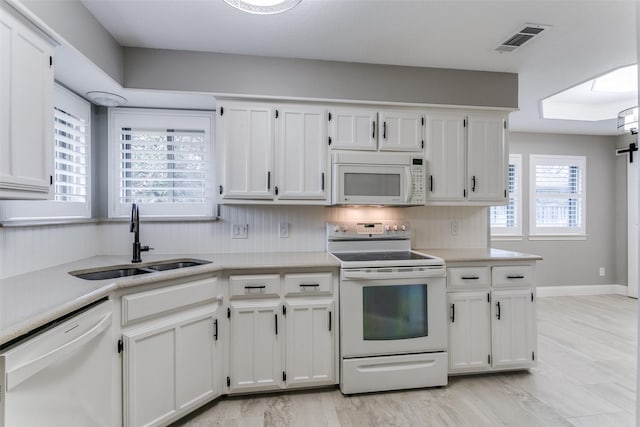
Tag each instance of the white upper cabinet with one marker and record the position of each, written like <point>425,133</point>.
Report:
<point>401,131</point>
<point>26,112</point>
<point>353,129</point>
<point>301,153</point>
<point>445,155</point>
<point>245,151</point>
<point>487,157</point>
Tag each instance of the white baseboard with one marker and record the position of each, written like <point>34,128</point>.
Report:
<point>569,290</point>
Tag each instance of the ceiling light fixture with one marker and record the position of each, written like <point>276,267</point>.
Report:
<point>263,7</point>
<point>628,120</point>
<point>106,99</point>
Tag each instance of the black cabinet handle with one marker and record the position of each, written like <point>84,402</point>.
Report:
<point>215,330</point>
<point>373,129</point>
<point>268,180</point>
<point>516,276</point>
<point>453,313</point>
<point>498,310</point>
<point>255,286</point>
<point>329,321</point>
<point>384,130</point>
<point>431,183</point>
<point>276,324</point>
<point>322,181</point>
<point>309,285</point>
<point>470,277</point>
<point>473,183</point>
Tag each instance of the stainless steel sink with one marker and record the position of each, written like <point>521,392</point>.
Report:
<point>114,272</point>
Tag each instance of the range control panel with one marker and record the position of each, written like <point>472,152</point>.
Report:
<point>355,230</point>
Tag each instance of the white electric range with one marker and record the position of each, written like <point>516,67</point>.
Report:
<point>393,332</point>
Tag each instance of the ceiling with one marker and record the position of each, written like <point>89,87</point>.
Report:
<point>587,38</point>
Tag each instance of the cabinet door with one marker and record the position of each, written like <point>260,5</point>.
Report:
<point>310,351</point>
<point>512,328</point>
<point>353,129</point>
<point>301,153</point>
<point>469,331</point>
<point>255,360</point>
<point>487,158</point>
<point>246,151</point>
<point>401,131</point>
<point>26,112</point>
<point>170,367</point>
<point>445,154</point>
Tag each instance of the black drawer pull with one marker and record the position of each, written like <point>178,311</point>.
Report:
<point>309,285</point>
<point>516,276</point>
<point>255,286</point>
<point>276,324</point>
<point>453,313</point>
<point>329,321</point>
<point>470,277</point>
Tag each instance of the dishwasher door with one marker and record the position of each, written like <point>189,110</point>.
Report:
<point>63,376</point>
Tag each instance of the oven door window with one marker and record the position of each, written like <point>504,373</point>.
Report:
<point>394,312</point>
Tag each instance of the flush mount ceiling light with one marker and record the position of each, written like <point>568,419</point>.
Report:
<point>263,7</point>
<point>106,99</point>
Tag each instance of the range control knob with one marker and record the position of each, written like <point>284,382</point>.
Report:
<point>336,229</point>
<point>403,227</point>
<point>387,227</point>
<point>395,227</point>
<point>344,228</point>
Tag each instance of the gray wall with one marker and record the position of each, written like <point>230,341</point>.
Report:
<point>224,74</point>
<point>576,262</point>
<point>72,21</point>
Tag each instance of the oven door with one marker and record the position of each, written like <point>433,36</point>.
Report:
<point>372,184</point>
<point>400,312</point>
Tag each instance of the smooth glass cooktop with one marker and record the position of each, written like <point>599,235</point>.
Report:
<point>380,256</point>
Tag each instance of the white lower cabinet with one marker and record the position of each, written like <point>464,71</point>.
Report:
<point>492,317</point>
<point>512,331</point>
<point>169,367</point>
<point>310,342</point>
<point>255,331</point>
<point>469,330</point>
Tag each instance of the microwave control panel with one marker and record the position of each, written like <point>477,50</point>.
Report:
<point>418,182</point>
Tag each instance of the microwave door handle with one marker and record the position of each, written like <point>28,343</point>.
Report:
<point>409,184</point>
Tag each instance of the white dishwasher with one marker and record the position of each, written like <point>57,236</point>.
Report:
<point>61,376</point>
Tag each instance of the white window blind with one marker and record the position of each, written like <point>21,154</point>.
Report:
<point>558,195</point>
<point>162,161</point>
<point>72,165</point>
<point>507,220</point>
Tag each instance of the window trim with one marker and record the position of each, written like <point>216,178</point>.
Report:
<point>54,210</point>
<point>550,233</point>
<point>511,233</point>
<point>171,119</point>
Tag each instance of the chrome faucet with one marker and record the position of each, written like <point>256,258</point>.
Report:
<point>134,227</point>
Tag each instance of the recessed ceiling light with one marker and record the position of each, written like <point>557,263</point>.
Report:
<point>106,99</point>
<point>263,7</point>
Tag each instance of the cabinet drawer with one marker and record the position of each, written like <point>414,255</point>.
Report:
<point>255,285</point>
<point>149,303</point>
<point>517,275</point>
<point>307,283</point>
<point>468,277</point>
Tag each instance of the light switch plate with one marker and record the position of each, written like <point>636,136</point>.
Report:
<point>239,231</point>
<point>283,230</point>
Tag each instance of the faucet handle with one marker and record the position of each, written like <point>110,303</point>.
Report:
<point>145,248</point>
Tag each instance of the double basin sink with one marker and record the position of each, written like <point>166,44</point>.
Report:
<point>114,272</point>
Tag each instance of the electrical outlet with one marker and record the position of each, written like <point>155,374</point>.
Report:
<point>283,230</point>
<point>239,231</point>
<point>455,227</point>
<point>602,272</point>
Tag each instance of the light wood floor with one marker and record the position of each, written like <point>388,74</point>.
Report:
<point>586,376</point>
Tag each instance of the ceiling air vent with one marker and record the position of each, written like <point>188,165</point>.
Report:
<point>528,32</point>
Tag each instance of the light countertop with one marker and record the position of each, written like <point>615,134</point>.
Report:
<point>30,300</point>
<point>478,255</point>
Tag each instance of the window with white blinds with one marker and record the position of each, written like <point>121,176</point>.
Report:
<point>507,220</point>
<point>162,161</point>
<point>72,165</point>
<point>558,190</point>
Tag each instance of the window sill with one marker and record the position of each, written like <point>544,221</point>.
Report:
<point>162,219</point>
<point>558,237</point>
<point>43,222</point>
<point>506,237</point>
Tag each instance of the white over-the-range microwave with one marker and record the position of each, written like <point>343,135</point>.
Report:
<point>396,179</point>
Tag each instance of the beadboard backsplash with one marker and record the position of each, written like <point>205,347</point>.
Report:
<point>32,248</point>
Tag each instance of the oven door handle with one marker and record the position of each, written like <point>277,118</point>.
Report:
<point>386,274</point>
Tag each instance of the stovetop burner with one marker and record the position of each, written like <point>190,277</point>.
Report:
<point>380,256</point>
